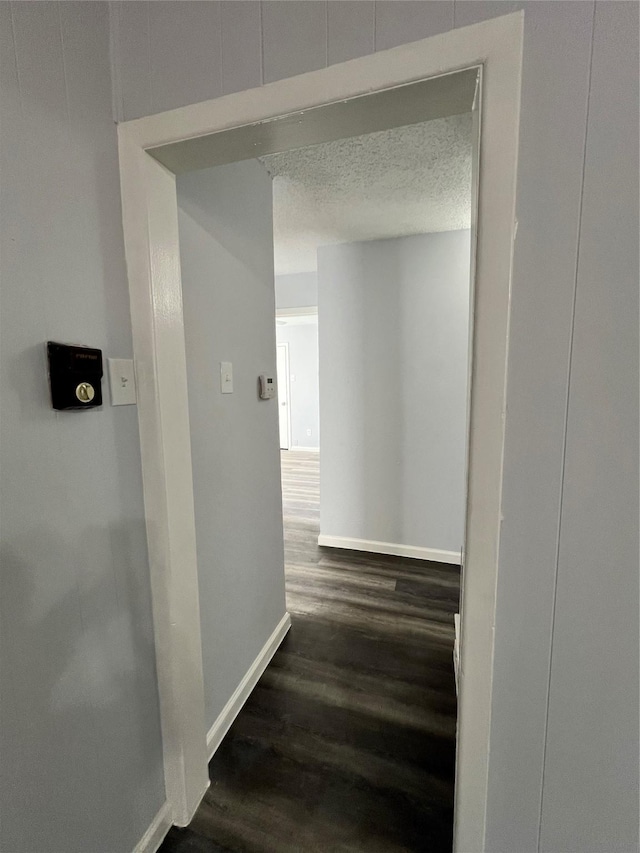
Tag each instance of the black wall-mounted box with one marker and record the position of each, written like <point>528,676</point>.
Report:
<point>75,376</point>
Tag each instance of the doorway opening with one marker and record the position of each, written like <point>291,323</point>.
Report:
<point>369,241</point>
<point>280,117</point>
<point>369,233</point>
<point>284,404</point>
<point>298,373</point>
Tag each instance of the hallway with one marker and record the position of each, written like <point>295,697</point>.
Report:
<point>347,742</point>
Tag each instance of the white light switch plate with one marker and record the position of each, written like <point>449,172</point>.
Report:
<point>226,377</point>
<point>122,381</point>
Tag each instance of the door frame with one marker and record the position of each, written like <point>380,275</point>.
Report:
<point>287,390</point>
<point>150,225</point>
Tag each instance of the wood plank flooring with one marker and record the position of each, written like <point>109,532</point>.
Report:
<point>347,742</point>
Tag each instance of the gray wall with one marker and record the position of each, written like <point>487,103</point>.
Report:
<point>298,290</point>
<point>262,42</point>
<point>393,372</point>
<point>226,249</point>
<point>304,403</point>
<point>595,652</point>
<point>562,493</point>
<point>81,766</point>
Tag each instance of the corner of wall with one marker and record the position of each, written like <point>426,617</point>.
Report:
<point>114,60</point>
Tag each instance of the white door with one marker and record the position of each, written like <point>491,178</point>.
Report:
<point>283,395</point>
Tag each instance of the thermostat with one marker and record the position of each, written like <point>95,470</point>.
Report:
<point>267,386</point>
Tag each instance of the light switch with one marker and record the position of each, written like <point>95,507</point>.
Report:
<point>122,381</point>
<point>226,377</point>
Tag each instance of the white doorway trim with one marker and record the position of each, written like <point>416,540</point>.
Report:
<point>153,263</point>
<point>309,311</point>
<point>283,383</point>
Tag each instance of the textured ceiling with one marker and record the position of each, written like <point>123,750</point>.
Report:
<point>409,180</point>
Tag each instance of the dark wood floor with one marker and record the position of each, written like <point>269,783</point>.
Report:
<point>347,742</point>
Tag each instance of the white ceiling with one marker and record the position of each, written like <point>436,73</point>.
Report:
<point>408,180</point>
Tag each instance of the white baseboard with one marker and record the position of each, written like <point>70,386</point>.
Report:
<point>414,551</point>
<point>154,836</point>
<point>306,449</point>
<point>242,692</point>
<point>162,822</point>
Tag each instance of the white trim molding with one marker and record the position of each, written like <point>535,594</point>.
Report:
<point>309,311</point>
<point>414,551</point>
<point>242,692</point>
<point>306,449</point>
<point>191,136</point>
<point>456,649</point>
<point>155,834</point>
<point>150,224</point>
